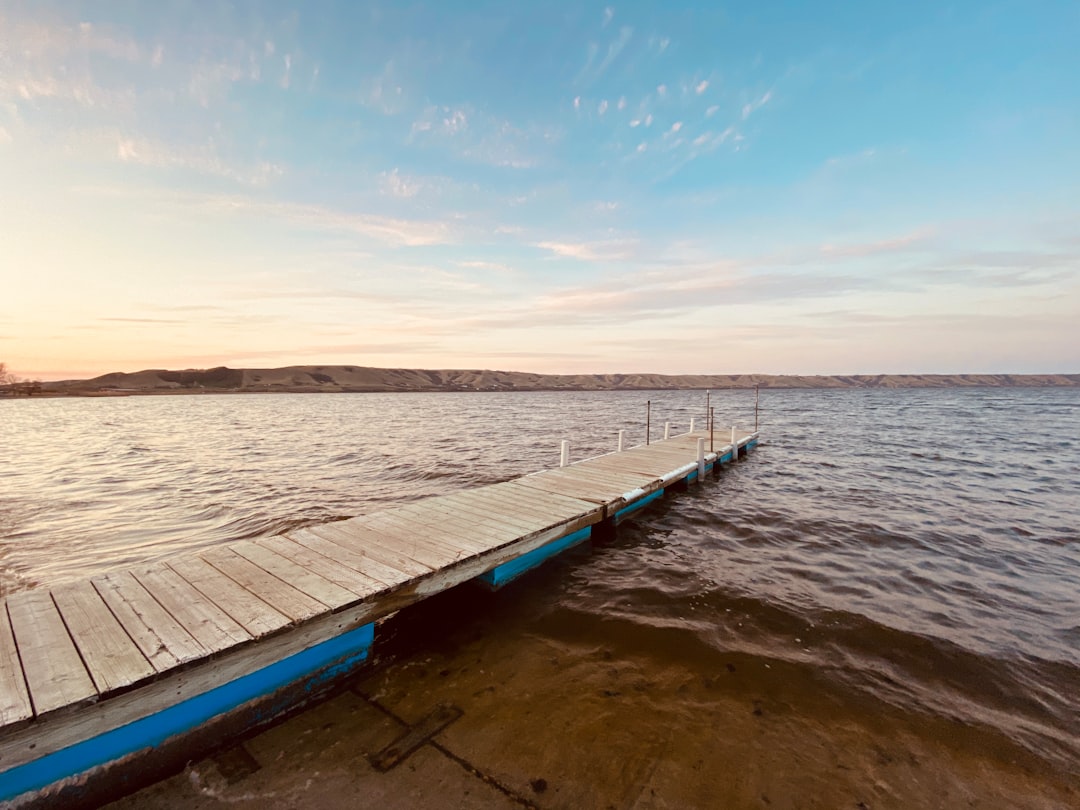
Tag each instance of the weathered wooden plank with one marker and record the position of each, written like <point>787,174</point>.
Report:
<point>589,485</point>
<point>536,504</point>
<point>395,538</point>
<point>55,674</point>
<point>501,502</point>
<point>15,703</point>
<point>281,596</point>
<point>495,528</point>
<point>617,481</point>
<point>483,527</point>
<point>486,528</point>
<point>565,506</point>
<point>433,545</point>
<point>638,465</point>
<point>659,451</point>
<point>607,474</point>
<point>597,494</point>
<point>495,505</point>
<point>211,626</point>
<point>655,450</point>
<point>252,613</point>
<point>370,547</point>
<point>112,657</point>
<point>352,558</point>
<point>613,476</point>
<point>485,513</point>
<point>435,518</point>
<point>563,503</point>
<point>162,639</point>
<point>300,577</point>
<point>333,570</point>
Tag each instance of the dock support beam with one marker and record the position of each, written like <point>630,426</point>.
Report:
<point>622,440</point>
<point>564,453</point>
<point>667,431</point>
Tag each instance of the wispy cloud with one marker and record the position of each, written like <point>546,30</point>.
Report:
<point>604,250</point>
<point>701,86</point>
<point>37,40</point>
<point>905,242</point>
<point>749,108</point>
<point>593,69</point>
<point>441,120</point>
<point>210,79</point>
<point>389,230</point>
<point>203,161</point>
<point>494,267</point>
<point>385,91</point>
<point>393,184</point>
<point>287,75</point>
<point>479,137</point>
<point>392,231</point>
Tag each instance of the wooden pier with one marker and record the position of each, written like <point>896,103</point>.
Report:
<point>109,682</point>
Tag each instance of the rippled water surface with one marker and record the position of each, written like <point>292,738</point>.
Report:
<point>917,549</point>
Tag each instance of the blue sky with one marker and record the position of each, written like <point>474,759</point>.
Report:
<point>687,187</point>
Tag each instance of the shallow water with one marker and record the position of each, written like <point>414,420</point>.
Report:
<point>910,553</point>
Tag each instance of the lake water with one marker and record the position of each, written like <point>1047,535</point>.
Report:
<point>907,557</point>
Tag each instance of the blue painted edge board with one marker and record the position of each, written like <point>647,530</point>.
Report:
<point>319,664</point>
<point>501,574</point>
<point>638,504</point>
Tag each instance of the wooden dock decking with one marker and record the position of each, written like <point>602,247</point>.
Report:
<point>96,670</point>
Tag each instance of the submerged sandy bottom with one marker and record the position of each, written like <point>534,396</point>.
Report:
<point>557,715</point>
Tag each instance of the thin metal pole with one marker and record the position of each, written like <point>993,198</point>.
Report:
<point>708,396</point>
<point>757,398</point>
<point>648,418</point>
<point>712,422</point>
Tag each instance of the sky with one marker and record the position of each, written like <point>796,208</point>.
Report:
<point>683,187</point>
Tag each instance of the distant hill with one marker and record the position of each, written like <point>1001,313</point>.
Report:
<point>333,379</point>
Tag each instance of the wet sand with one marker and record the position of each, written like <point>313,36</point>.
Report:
<point>557,716</point>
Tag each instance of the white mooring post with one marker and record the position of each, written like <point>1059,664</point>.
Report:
<point>700,460</point>
<point>564,453</point>
<point>691,424</point>
<point>622,440</point>
<point>667,431</point>
<point>734,445</point>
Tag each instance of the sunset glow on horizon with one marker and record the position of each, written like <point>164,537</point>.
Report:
<point>560,188</point>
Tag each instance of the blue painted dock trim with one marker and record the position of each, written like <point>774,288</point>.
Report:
<point>638,504</point>
<point>502,574</point>
<point>317,664</point>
